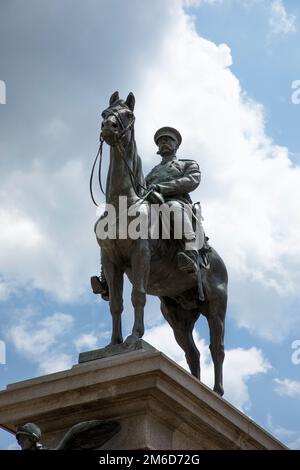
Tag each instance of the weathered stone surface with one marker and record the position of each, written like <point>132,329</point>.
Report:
<point>109,351</point>
<point>159,406</point>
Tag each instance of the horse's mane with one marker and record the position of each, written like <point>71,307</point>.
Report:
<point>137,165</point>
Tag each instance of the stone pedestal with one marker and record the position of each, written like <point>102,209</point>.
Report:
<point>159,404</point>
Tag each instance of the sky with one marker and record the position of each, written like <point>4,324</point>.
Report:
<point>220,71</point>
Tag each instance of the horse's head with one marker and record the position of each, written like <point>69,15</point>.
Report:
<point>118,119</point>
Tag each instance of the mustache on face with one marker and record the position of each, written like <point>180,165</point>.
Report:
<point>167,146</point>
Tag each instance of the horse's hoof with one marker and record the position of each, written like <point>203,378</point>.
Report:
<point>131,339</point>
<point>138,334</point>
<point>219,390</point>
<point>114,342</point>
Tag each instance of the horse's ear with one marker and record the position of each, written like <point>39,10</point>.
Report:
<point>114,97</point>
<point>130,101</point>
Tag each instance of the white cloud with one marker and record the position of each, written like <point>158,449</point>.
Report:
<point>48,222</point>
<point>287,387</point>
<point>86,341</point>
<point>192,3</point>
<point>289,437</point>
<point>280,21</point>
<point>41,343</point>
<point>56,129</point>
<point>240,364</point>
<point>6,289</point>
<point>17,231</point>
<point>56,363</point>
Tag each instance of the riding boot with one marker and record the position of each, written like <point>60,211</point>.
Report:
<point>187,261</point>
<point>100,286</point>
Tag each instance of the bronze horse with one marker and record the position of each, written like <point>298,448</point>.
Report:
<point>150,264</point>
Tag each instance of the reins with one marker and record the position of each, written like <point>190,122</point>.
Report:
<point>99,171</point>
<point>122,151</point>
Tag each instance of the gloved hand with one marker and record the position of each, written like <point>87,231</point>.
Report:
<point>153,187</point>
<point>154,195</point>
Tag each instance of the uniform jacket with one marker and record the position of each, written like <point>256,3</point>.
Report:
<point>175,179</point>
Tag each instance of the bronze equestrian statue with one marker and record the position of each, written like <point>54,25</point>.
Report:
<point>187,275</point>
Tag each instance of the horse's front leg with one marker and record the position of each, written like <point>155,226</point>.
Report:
<point>140,265</point>
<point>114,277</point>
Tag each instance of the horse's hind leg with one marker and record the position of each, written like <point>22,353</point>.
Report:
<point>182,322</point>
<point>216,320</point>
<point>186,341</point>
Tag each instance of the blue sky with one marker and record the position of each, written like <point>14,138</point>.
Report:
<point>219,71</point>
<point>265,63</point>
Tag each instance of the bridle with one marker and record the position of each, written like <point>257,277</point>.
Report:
<point>122,150</point>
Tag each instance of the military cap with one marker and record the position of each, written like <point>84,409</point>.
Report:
<point>30,430</point>
<point>169,131</point>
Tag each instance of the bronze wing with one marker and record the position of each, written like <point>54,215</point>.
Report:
<point>88,435</point>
